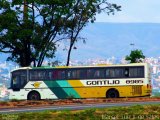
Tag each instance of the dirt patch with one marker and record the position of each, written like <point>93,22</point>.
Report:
<point>41,103</point>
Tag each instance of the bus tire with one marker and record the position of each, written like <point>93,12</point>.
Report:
<point>112,93</point>
<point>33,95</point>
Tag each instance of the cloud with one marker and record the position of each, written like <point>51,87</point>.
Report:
<point>145,11</point>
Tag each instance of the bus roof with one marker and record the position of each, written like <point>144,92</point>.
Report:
<point>21,68</point>
<point>91,66</point>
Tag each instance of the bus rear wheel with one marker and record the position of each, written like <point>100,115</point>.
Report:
<point>112,93</point>
<point>34,95</point>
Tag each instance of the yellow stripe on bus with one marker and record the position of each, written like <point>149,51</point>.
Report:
<point>75,83</point>
<point>86,92</point>
<point>100,91</point>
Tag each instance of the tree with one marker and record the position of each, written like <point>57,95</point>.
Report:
<point>86,13</point>
<point>135,56</point>
<point>30,29</point>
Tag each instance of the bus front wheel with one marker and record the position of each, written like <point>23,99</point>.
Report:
<point>34,95</point>
<point>112,93</point>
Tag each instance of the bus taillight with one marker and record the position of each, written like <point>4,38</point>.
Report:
<point>149,86</point>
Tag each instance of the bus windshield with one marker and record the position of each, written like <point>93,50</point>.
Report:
<point>18,79</point>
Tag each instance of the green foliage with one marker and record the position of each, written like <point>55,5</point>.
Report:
<point>145,112</point>
<point>54,63</point>
<point>85,12</point>
<point>135,56</point>
<point>30,31</point>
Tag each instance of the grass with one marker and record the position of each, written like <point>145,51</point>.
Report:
<point>146,112</point>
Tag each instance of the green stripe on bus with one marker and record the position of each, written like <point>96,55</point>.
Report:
<point>68,89</point>
<point>62,89</point>
<point>56,89</point>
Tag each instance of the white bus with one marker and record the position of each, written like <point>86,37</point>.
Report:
<point>101,81</point>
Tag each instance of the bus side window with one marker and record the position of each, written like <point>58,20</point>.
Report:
<point>99,73</point>
<point>60,74</point>
<point>78,74</point>
<point>119,72</point>
<point>90,73</point>
<point>33,75</point>
<point>126,72</point>
<point>107,74</point>
<point>55,74</point>
<point>72,74</point>
<point>50,77</point>
<point>136,72</point>
<point>82,74</point>
<point>41,74</point>
<point>69,74</point>
<point>112,73</point>
<point>141,72</point>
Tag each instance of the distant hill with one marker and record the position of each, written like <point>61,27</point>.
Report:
<point>104,40</point>
<point>113,39</point>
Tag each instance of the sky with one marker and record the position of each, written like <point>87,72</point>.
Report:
<point>144,36</point>
<point>134,11</point>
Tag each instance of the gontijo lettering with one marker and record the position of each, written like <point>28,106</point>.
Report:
<point>104,82</point>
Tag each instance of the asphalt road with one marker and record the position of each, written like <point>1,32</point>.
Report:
<point>73,107</point>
